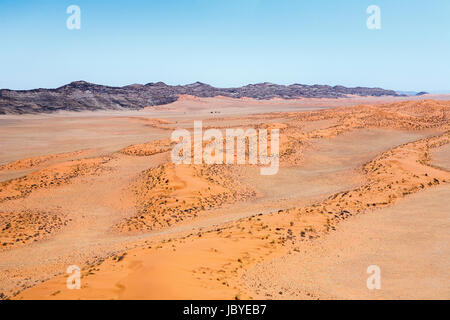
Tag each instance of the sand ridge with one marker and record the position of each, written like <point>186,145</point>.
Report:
<point>170,193</point>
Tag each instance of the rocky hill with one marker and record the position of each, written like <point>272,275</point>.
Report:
<point>81,95</point>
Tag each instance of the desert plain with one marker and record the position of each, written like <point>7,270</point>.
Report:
<point>362,181</point>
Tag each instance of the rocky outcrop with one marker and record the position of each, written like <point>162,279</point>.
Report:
<point>81,95</point>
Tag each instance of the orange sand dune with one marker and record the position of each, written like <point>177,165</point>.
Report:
<point>169,194</point>
<point>39,160</point>
<point>201,231</point>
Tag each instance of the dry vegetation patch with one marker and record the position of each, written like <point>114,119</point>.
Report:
<point>149,148</point>
<point>52,176</point>
<point>19,228</point>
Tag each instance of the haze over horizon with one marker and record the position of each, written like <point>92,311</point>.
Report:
<point>226,44</point>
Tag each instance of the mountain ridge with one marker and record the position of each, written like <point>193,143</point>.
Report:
<point>83,96</point>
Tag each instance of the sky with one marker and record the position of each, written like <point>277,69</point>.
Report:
<point>226,43</point>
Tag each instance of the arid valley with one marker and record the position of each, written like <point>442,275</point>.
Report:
<point>361,182</point>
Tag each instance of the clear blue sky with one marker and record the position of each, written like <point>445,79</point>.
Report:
<point>226,43</point>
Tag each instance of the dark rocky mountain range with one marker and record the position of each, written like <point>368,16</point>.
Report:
<point>82,96</point>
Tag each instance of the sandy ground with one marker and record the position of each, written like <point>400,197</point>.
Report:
<point>441,157</point>
<point>37,135</point>
<point>409,242</point>
<point>98,190</point>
